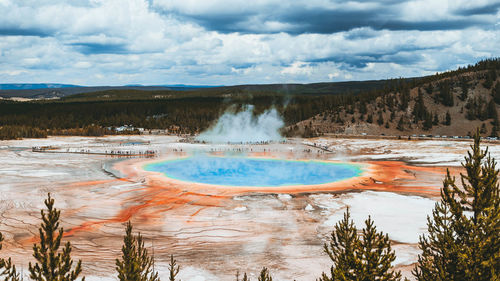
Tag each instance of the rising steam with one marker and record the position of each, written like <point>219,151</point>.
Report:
<point>244,127</point>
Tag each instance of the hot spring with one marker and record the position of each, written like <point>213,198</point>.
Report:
<point>259,172</point>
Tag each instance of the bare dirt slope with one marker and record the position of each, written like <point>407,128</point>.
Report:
<point>471,105</point>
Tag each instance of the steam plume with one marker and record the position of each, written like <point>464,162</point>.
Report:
<point>244,127</point>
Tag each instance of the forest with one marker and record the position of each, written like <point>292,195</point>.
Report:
<point>190,112</point>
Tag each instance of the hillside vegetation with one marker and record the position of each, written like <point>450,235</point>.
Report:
<point>451,103</point>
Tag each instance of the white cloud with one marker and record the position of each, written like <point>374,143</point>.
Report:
<point>159,42</point>
<point>333,75</point>
<point>298,68</point>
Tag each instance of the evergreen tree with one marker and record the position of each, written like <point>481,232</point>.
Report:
<point>405,98</point>
<point>429,89</point>
<point>465,88</point>
<point>462,243</point>
<point>419,109</point>
<point>494,129</point>
<point>52,264</point>
<point>364,257</point>
<point>439,258</point>
<point>362,107</point>
<point>7,270</point>
<point>483,129</point>
<point>490,78</point>
<point>369,118</point>
<point>401,124</point>
<point>380,119</point>
<point>376,255</point>
<point>173,269</point>
<point>265,275</point>
<point>339,120</point>
<point>471,106</point>
<point>445,94</point>
<point>435,121</point>
<point>496,125</point>
<point>481,109</point>
<point>447,120</point>
<point>245,277</point>
<point>341,250</point>
<point>492,109</point>
<point>496,93</point>
<point>392,116</point>
<point>428,122</point>
<point>136,264</point>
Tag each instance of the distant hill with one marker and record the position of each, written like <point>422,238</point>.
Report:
<point>454,103</point>
<point>22,86</point>
<point>308,89</point>
<point>51,91</point>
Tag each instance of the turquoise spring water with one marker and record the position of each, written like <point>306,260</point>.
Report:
<point>240,171</point>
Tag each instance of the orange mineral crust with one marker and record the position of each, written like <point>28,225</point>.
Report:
<point>159,194</point>
<point>214,230</point>
<point>394,176</point>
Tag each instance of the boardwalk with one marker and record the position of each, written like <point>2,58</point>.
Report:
<point>49,149</point>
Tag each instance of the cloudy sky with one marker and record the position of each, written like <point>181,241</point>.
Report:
<point>224,42</point>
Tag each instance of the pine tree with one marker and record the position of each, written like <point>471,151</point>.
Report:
<point>445,94</point>
<point>419,109</point>
<point>464,85</point>
<point>496,125</point>
<point>376,255</point>
<point>496,93</point>
<point>447,120</point>
<point>439,258</point>
<point>462,243</point>
<point>483,129</point>
<point>492,109</point>
<point>401,125</point>
<point>341,250</point>
<point>265,275</point>
<point>173,269</point>
<point>380,119</point>
<point>7,270</point>
<point>369,118</point>
<point>245,277</point>
<point>365,257</point>
<point>490,78</point>
<point>492,113</point>
<point>362,108</point>
<point>136,264</point>
<point>405,97</point>
<point>52,264</point>
<point>435,121</point>
<point>428,122</point>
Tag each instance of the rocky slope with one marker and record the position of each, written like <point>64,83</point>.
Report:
<point>453,105</point>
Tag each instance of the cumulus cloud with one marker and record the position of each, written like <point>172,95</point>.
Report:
<point>97,42</point>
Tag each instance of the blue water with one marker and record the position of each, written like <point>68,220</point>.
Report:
<point>239,171</point>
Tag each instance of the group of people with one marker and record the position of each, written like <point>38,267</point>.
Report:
<point>88,151</point>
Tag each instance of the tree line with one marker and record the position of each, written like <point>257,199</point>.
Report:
<point>194,112</point>
<point>390,106</point>
<point>462,241</point>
